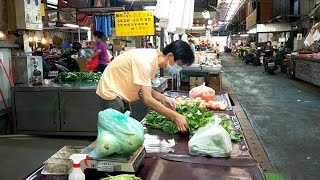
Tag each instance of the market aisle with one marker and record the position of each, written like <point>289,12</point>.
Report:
<point>284,114</point>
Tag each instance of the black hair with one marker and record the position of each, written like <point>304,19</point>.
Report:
<point>98,34</point>
<point>181,51</point>
<point>150,44</point>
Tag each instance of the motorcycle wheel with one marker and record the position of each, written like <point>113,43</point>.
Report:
<point>271,72</point>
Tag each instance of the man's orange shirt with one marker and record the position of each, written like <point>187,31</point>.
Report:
<point>125,75</point>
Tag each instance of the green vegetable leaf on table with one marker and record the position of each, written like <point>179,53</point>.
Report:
<point>197,118</point>
<point>78,77</point>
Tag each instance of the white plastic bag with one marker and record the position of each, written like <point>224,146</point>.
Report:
<point>309,40</point>
<point>316,35</point>
<point>202,91</point>
<point>211,140</point>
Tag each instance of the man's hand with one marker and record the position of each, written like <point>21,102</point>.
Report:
<point>149,96</point>
<point>181,123</point>
<point>169,103</point>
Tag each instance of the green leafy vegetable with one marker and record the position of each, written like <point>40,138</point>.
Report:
<point>197,117</point>
<point>78,77</point>
<point>122,177</point>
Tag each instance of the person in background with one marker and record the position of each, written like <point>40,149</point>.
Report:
<point>129,77</point>
<point>191,43</point>
<point>269,46</point>
<point>101,51</point>
<point>217,51</point>
<point>149,45</point>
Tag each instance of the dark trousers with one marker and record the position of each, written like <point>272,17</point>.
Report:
<point>116,104</point>
<point>101,68</point>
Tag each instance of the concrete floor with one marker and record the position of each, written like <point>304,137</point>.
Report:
<point>23,154</point>
<point>284,114</point>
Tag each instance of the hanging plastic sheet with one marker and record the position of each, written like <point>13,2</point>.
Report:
<point>98,23</point>
<point>175,15</point>
<point>109,27</point>
<point>104,25</point>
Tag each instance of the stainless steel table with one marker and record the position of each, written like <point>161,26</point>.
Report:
<point>63,108</point>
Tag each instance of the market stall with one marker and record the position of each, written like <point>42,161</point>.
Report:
<point>307,68</point>
<point>165,153</point>
<point>63,108</point>
<point>307,61</point>
<point>206,69</point>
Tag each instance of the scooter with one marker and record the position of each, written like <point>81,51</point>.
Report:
<point>67,63</point>
<point>52,67</point>
<point>245,50</point>
<point>253,57</point>
<point>269,63</point>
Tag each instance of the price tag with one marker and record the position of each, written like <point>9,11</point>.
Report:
<point>53,73</point>
<point>105,166</point>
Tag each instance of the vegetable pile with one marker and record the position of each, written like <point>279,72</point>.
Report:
<point>78,77</point>
<point>197,117</point>
<point>122,177</point>
<point>212,105</point>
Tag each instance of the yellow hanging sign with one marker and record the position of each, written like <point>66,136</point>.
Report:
<point>134,23</point>
<point>42,9</point>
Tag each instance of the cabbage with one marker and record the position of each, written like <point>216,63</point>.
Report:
<point>132,143</point>
<point>106,145</point>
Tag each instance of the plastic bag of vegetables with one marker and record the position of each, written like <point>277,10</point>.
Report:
<point>117,133</point>
<point>202,91</point>
<point>211,140</point>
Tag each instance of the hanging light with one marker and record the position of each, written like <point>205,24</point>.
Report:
<point>35,38</point>
<point>43,41</point>
<point>30,39</point>
<point>1,34</point>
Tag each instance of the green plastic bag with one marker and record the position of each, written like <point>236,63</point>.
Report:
<point>117,133</point>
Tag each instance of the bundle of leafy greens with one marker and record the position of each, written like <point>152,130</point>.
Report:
<point>78,77</point>
<point>197,117</point>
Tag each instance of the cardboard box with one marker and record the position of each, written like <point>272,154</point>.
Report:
<point>216,87</point>
<point>214,81</point>
<point>117,42</point>
<point>196,81</point>
<point>192,86</point>
<point>82,64</point>
<point>117,48</point>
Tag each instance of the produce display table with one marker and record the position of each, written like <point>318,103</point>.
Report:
<point>63,108</point>
<point>166,162</point>
<point>307,69</point>
<point>170,165</point>
<point>168,157</point>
